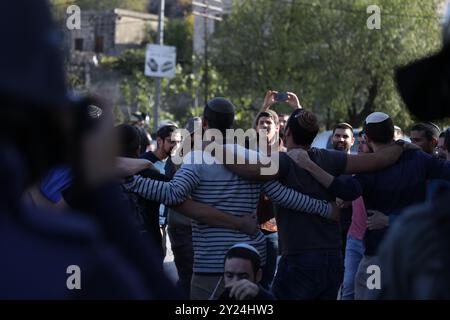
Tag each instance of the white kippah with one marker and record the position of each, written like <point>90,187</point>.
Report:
<point>245,246</point>
<point>376,117</point>
<point>166,123</point>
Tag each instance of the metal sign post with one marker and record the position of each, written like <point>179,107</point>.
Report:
<point>207,11</point>
<point>160,41</point>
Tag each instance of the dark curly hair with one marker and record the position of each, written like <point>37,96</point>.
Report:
<point>304,126</point>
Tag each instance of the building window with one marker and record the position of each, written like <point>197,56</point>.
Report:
<point>98,44</point>
<point>79,44</point>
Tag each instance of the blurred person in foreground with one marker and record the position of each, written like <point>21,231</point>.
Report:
<point>414,258</point>
<point>45,129</point>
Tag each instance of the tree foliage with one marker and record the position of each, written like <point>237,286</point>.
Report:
<point>324,51</point>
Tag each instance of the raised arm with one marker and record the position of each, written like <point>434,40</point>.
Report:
<point>293,101</point>
<point>269,100</point>
<point>215,218</point>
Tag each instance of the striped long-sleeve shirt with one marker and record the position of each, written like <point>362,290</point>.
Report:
<point>216,186</point>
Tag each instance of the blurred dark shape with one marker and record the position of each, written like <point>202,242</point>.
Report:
<point>33,90</point>
<point>40,125</point>
<point>31,64</point>
<point>414,257</point>
<point>107,207</point>
<point>424,86</point>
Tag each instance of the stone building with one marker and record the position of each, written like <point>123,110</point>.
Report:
<point>105,33</point>
<point>112,31</point>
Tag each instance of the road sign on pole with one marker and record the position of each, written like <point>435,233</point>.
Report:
<point>160,41</point>
<point>160,61</point>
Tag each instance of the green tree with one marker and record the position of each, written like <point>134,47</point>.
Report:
<point>324,51</point>
<point>179,33</point>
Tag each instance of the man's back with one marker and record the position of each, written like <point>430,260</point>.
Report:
<point>401,185</point>
<point>398,186</point>
<point>299,232</point>
<point>393,189</point>
<point>224,190</point>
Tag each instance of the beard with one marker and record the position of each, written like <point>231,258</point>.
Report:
<point>340,146</point>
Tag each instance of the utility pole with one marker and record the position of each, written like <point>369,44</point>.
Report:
<point>160,41</point>
<point>207,13</point>
<point>205,44</point>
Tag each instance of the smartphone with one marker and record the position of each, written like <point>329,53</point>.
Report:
<point>281,96</point>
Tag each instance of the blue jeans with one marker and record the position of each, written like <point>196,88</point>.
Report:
<point>311,275</point>
<point>271,260</point>
<point>354,252</point>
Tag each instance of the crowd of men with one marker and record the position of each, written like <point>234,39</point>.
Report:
<point>81,193</point>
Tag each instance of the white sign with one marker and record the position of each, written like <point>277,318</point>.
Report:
<point>160,61</point>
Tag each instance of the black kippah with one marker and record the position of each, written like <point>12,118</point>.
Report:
<point>220,105</point>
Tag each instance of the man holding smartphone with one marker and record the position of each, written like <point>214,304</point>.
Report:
<point>273,97</point>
